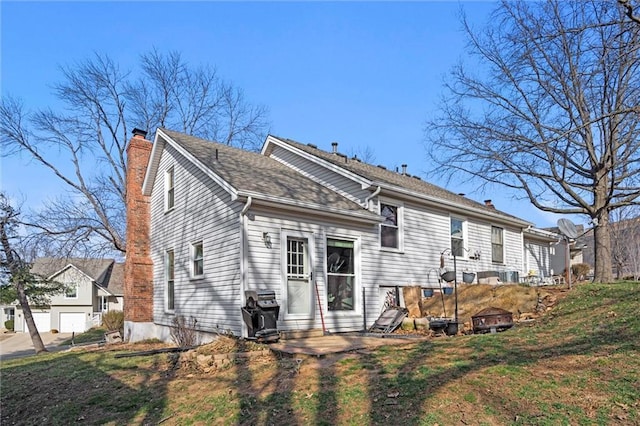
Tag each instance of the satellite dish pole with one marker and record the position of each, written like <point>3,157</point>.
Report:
<point>570,232</point>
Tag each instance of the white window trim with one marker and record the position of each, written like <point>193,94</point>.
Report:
<point>77,287</point>
<point>309,236</point>
<point>192,259</point>
<point>166,280</point>
<point>170,172</point>
<point>400,213</point>
<point>357,270</point>
<point>465,236</point>
<point>504,245</point>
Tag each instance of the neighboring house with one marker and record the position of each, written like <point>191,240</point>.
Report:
<point>330,235</point>
<point>94,286</point>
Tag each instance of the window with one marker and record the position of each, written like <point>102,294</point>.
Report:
<point>497,244</point>
<point>341,276</point>
<point>71,291</point>
<point>390,227</point>
<point>169,266</point>
<point>197,260</point>
<point>169,189</point>
<point>9,313</point>
<point>457,237</point>
<point>103,304</point>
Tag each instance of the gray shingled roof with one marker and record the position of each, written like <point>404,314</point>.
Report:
<point>378,174</point>
<point>105,272</point>
<point>255,173</point>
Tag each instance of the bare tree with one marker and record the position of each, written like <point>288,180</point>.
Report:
<point>548,107</point>
<point>84,143</point>
<point>16,280</point>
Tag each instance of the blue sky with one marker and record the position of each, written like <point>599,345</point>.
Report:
<point>364,74</point>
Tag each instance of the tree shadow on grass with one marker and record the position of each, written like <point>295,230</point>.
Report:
<point>80,387</point>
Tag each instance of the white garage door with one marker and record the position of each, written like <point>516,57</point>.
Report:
<point>42,320</point>
<point>73,321</point>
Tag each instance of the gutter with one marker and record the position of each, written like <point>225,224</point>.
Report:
<point>370,197</point>
<point>439,202</point>
<point>303,207</point>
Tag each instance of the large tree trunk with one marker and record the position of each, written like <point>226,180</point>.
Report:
<point>38,345</point>
<point>13,266</point>
<point>602,250</point>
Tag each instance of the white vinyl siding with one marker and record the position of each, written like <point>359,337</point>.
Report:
<point>204,212</point>
<point>83,286</point>
<point>538,258</point>
<point>266,265</point>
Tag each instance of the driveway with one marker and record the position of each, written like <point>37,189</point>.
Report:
<point>18,345</point>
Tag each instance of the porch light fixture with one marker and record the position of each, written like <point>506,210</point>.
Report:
<point>267,239</point>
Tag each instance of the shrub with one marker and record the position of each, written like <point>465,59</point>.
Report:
<point>113,321</point>
<point>9,324</point>
<point>580,271</point>
<point>183,331</point>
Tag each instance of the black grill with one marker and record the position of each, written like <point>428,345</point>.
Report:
<point>261,315</point>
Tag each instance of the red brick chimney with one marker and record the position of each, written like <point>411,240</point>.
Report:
<point>138,268</point>
<point>489,203</point>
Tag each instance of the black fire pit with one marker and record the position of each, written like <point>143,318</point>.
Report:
<point>492,320</point>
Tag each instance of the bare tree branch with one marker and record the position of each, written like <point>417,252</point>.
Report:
<point>83,144</point>
<point>553,113</point>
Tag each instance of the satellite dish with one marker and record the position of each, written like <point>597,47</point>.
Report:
<point>568,228</point>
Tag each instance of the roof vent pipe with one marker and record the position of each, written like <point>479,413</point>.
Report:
<point>404,169</point>
<point>334,145</point>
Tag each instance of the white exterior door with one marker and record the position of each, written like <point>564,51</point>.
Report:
<point>73,322</point>
<point>298,276</point>
<point>42,320</point>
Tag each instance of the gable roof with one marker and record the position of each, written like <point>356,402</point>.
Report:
<point>379,176</point>
<point>104,272</point>
<point>248,174</point>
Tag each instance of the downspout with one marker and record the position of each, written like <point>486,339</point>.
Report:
<point>370,197</point>
<point>243,259</point>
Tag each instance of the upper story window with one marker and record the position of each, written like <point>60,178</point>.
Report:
<point>169,270</point>
<point>390,228</point>
<point>169,195</point>
<point>458,229</point>
<point>497,244</point>
<point>71,292</point>
<point>197,260</point>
